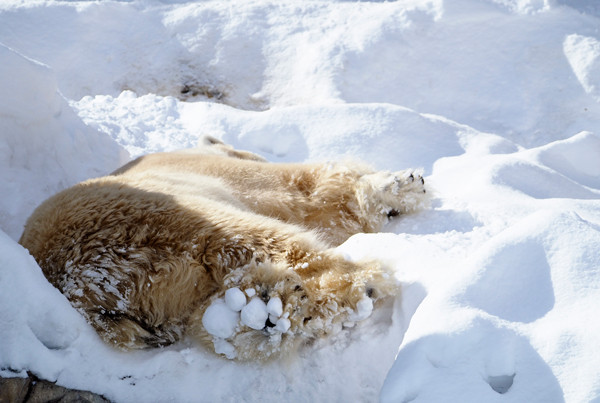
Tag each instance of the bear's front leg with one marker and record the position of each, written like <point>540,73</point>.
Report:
<point>383,194</point>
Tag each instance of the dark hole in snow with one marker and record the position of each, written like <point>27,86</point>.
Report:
<point>501,383</point>
<point>193,90</point>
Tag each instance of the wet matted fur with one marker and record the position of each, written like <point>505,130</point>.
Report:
<point>144,252</point>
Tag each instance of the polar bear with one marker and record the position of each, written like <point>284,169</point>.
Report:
<point>219,246</point>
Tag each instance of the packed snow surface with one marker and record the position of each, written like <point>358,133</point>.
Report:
<point>498,101</point>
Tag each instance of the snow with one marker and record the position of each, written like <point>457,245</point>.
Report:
<point>282,325</point>
<point>45,146</point>
<point>220,320</point>
<point>235,299</point>
<point>364,308</point>
<point>255,314</point>
<point>275,307</point>
<point>498,101</point>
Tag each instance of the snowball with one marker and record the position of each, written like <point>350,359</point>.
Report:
<point>255,314</point>
<point>219,320</point>
<point>225,348</point>
<point>250,292</point>
<point>275,307</point>
<point>363,309</point>
<point>283,325</point>
<point>235,299</point>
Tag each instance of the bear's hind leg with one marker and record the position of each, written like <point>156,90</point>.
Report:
<point>128,332</point>
<point>268,308</point>
<point>137,301</point>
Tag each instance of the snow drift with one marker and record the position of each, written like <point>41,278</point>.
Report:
<point>45,146</point>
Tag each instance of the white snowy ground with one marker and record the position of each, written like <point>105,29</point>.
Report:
<point>497,100</point>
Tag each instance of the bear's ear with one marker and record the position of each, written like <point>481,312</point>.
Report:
<point>228,150</point>
<point>211,141</point>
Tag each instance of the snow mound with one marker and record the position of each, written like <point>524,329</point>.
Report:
<point>575,158</point>
<point>480,63</point>
<point>583,54</point>
<point>493,344</point>
<point>28,341</point>
<point>284,134</point>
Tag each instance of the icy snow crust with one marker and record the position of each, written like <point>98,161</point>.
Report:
<point>498,102</point>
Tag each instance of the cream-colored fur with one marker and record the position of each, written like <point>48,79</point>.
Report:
<point>143,253</point>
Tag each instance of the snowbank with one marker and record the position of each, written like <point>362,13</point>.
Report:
<point>45,146</point>
<point>497,101</point>
<point>488,64</point>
